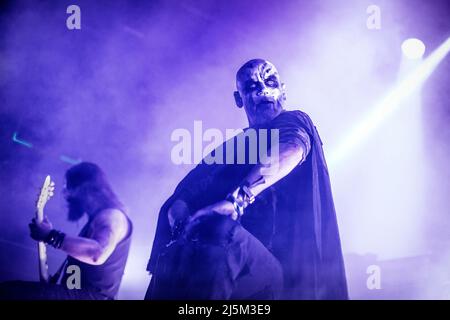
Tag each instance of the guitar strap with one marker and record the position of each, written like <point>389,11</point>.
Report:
<point>55,278</point>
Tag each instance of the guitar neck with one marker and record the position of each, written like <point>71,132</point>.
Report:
<point>43,267</point>
<point>42,253</point>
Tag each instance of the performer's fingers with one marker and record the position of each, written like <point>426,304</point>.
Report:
<point>194,219</point>
<point>195,216</point>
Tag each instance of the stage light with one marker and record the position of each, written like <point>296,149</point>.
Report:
<point>382,152</point>
<point>388,104</point>
<point>413,48</point>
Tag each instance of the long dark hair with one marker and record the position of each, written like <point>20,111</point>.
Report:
<point>93,186</point>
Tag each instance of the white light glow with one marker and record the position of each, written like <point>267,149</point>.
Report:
<point>388,104</point>
<point>413,48</point>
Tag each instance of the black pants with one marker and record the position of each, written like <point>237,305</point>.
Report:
<point>217,259</point>
<point>28,290</point>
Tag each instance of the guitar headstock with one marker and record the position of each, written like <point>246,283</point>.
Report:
<point>47,191</point>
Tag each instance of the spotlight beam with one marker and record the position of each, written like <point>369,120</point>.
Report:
<point>388,104</point>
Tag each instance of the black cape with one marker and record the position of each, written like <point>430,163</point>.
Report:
<point>299,219</point>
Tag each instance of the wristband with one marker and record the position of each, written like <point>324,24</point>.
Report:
<point>55,238</point>
<point>249,197</point>
<point>238,207</point>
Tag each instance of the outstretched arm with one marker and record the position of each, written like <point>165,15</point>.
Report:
<point>291,150</point>
<point>108,229</point>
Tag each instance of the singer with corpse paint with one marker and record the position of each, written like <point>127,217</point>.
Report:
<point>253,231</point>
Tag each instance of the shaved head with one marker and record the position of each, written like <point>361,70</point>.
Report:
<point>254,63</point>
<point>259,91</point>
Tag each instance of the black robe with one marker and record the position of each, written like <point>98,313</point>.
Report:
<point>295,218</point>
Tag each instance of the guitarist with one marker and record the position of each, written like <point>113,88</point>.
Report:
<point>98,254</point>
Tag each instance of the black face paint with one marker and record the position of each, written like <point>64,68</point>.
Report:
<point>260,88</point>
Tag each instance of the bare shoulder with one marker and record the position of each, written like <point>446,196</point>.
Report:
<point>112,218</point>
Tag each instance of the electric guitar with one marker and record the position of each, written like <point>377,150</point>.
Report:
<point>44,195</point>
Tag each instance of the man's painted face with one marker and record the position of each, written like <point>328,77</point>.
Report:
<point>261,91</point>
